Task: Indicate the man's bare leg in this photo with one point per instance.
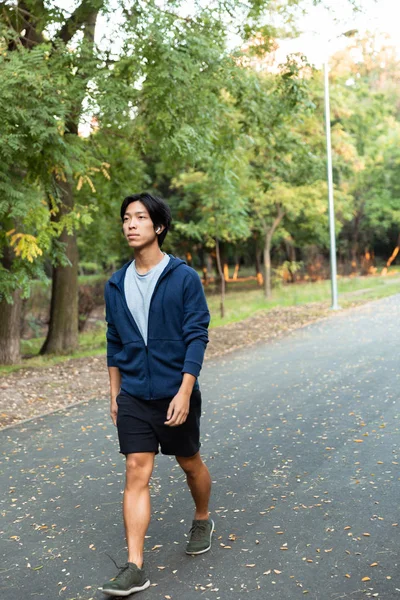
(199, 482)
(137, 505)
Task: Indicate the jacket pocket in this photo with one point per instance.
(131, 361)
(166, 358)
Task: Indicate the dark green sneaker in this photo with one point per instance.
(129, 580)
(200, 536)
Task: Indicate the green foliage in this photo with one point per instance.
(231, 147)
(38, 91)
(366, 132)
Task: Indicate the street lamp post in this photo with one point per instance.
(332, 236)
(335, 305)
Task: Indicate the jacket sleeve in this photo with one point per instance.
(114, 344)
(195, 323)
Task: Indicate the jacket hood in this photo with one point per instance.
(118, 277)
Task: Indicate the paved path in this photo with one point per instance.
(302, 440)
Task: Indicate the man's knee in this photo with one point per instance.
(191, 465)
(139, 467)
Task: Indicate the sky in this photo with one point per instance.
(322, 29)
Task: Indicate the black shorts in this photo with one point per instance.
(141, 426)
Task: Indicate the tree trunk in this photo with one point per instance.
(291, 256)
(62, 337)
(258, 259)
(267, 266)
(222, 278)
(226, 271)
(259, 275)
(10, 324)
(356, 238)
(203, 256)
(269, 234)
(236, 271)
(354, 257)
(392, 257)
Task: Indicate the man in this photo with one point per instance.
(157, 319)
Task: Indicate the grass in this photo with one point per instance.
(239, 304)
(91, 343)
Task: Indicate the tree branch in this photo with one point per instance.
(275, 224)
(82, 15)
(25, 19)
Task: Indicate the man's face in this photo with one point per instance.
(138, 227)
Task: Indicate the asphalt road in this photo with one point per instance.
(302, 440)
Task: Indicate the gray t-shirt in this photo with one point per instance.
(139, 290)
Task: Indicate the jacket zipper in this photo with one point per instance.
(126, 307)
(148, 371)
(148, 326)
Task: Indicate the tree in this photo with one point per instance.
(365, 136)
(99, 81)
(272, 106)
(215, 198)
(40, 118)
(162, 88)
(31, 151)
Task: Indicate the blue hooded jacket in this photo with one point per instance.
(177, 333)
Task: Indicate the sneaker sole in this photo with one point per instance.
(207, 549)
(123, 593)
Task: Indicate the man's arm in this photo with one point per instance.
(115, 385)
(114, 345)
(195, 335)
(195, 324)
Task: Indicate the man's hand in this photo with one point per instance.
(178, 409)
(115, 386)
(114, 410)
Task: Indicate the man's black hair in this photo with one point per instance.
(158, 209)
